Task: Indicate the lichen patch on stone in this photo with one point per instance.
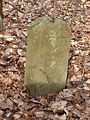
(53, 64)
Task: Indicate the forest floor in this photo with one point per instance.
(73, 103)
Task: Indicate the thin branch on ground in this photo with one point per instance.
(15, 7)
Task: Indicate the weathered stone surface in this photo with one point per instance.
(47, 56)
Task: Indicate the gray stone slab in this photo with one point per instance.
(47, 56)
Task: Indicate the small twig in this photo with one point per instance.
(42, 2)
(17, 12)
(53, 19)
(83, 66)
(10, 27)
(15, 7)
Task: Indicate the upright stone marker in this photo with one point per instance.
(47, 56)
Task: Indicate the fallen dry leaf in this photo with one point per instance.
(7, 81)
(7, 104)
(40, 114)
(15, 103)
